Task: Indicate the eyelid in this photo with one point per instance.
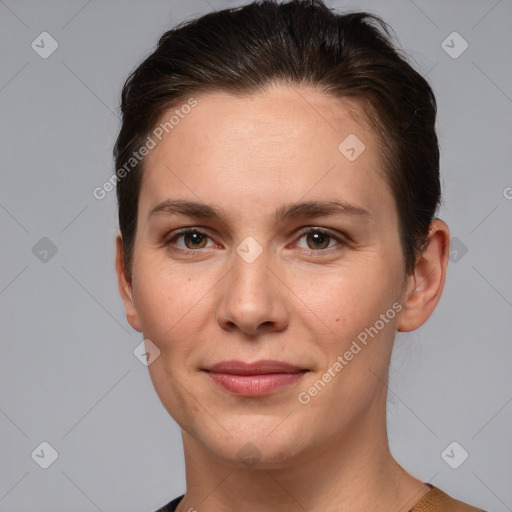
(318, 229)
(166, 241)
(342, 239)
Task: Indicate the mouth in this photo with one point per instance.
(260, 378)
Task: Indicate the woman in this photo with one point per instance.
(277, 181)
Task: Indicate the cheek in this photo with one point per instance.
(169, 301)
(353, 330)
(172, 316)
(346, 300)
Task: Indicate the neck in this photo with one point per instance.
(353, 472)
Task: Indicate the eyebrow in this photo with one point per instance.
(304, 209)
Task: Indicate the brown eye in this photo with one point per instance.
(318, 240)
(194, 240)
(188, 241)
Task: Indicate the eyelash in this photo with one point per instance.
(169, 243)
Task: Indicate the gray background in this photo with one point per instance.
(68, 374)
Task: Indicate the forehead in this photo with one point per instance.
(275, 145)
(280, 122)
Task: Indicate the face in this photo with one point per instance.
(260, 238)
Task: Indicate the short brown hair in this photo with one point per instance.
(302, 42)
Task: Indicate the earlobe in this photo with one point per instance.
(125, 287)
(425, 285)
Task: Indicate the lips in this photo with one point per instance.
(260, 378)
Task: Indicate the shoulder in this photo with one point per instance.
(438, 501)
(171, 506)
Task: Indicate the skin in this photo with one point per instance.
(302, 301)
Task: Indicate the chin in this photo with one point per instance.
(256, 443)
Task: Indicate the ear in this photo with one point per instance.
(425, 285)
(125, 287)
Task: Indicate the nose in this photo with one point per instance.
(253, 299)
